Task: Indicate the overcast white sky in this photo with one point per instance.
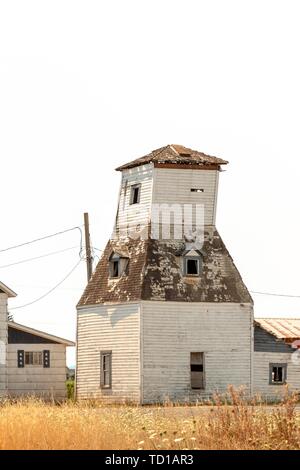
(88, 85)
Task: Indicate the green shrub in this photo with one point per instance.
(70, 389)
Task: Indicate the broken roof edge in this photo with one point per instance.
(174, 154)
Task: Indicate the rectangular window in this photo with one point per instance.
(115, 269)
(192, 267)
(278, 374)
(105, 369)
(33, 358)
(197, 190)
(197, 370)
(135, 194)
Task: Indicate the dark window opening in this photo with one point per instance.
(197, 190)
(118, 266)
(115, 269)
(278, 374)
(192, 267)
(197, 367)
(135, 194)
(197, 370)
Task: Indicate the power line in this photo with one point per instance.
(275, 295)
(44, 238)
(30, 286)
(51, 290)
(95, 248)
(38, 257)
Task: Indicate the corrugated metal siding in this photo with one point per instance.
(109, 328)
(262, 361)
(38, 381)
(171, 331)
(265, 342)
(135, 213)
(173, 186)
(3, 342)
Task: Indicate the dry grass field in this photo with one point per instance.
(32, 424)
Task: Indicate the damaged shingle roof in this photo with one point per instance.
(175, 154)
(154, 273)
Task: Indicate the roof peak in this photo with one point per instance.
(7, 290)
(176, 154)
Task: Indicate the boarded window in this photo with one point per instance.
(278, 374)
(197, 370)
(135, 194)
(105, 369)
(33, 358)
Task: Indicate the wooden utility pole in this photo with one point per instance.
(89, 259)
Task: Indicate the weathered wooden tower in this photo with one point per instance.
(166, 314)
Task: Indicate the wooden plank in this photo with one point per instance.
(172, 330)
(109, 328)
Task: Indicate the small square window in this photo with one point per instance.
(33, 358)
(118, 266)
(278, 374)
(192, 266)
(135, 194)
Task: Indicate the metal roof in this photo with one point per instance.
(282, 328)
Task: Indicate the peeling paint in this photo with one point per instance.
(155, 273)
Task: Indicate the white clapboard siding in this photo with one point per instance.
(172, 330)
(173, 186)
(262, 361)
(109, 328)
(135, 213)
(3, 343)
(37, 380)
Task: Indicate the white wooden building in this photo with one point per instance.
(276, 356)
(163, 318)
(33, 363)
